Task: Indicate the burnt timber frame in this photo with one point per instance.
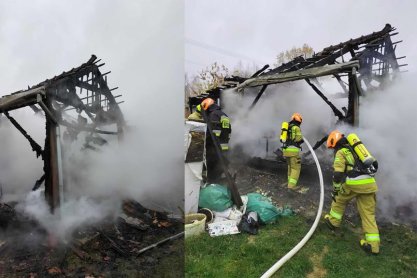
(374, 52)
(377, 61)
(377, 65)
(83, 89)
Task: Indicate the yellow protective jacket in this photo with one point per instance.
(344, 162)
(293, 149)
(195, 116)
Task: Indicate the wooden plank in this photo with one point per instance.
(255, 101)
(51, 172)
(298, 75)
(20, 99)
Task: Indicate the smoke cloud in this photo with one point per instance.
(277, 104)
(386, 126)
(142, 44)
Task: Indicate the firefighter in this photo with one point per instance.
(349, 183)
(220, 125)
(196, 115)
(291, 150)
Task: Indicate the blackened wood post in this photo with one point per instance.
(353, 100)
(51, 164)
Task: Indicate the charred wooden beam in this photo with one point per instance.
(286, 66)
(20, 99)
(236, 198)
(317, 145)
(38, 183)
(35, 109)
(255, 101)
(51, 166)
(86, 86)
(46, 110)
(260, 71)
(298, 75)
(35, 146)
(352, 115)
(342, 84)
(390, 54)
(330, 59)
(361, 40)
(326, 100)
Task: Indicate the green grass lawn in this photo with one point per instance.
(325, 255)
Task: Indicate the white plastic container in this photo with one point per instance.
(194, 224)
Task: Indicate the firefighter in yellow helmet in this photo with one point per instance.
(349, 183)
(196, 115)
(220, 125)
(291, 150)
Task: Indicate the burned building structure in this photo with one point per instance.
(359, 65)
(83, 92)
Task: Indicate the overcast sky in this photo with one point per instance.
(140, 41)
(256, 31)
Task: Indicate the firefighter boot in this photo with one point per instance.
(368, 248)
(328, 223)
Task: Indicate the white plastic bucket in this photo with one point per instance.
(194, 224)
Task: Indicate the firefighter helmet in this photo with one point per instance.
(205, 104)
(297, 117)
(333, 138)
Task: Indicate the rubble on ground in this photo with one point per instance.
(114, 248)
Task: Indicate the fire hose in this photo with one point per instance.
(296, 248)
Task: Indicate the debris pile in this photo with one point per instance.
(138, 243)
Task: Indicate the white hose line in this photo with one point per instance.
(296, 248)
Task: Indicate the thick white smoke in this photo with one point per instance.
(386, 126)
(142, 44)
(276, 105)
(19, 167)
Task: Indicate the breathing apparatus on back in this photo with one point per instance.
(286, 130)
(367, 163)
(284, 133)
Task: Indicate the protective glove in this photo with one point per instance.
(337, 187)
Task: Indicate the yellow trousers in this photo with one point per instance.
(366, 204)
(294, 169)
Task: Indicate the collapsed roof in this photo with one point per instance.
(368, 62)
(82, 90)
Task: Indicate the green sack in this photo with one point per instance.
(286, 211)
(215, 197)
(267, 212)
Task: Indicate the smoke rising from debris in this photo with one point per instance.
(147, 166)
(387, 128)
(276, 105)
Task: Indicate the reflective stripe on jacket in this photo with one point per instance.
(296, 136)
(221, 127)
(344, 161)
